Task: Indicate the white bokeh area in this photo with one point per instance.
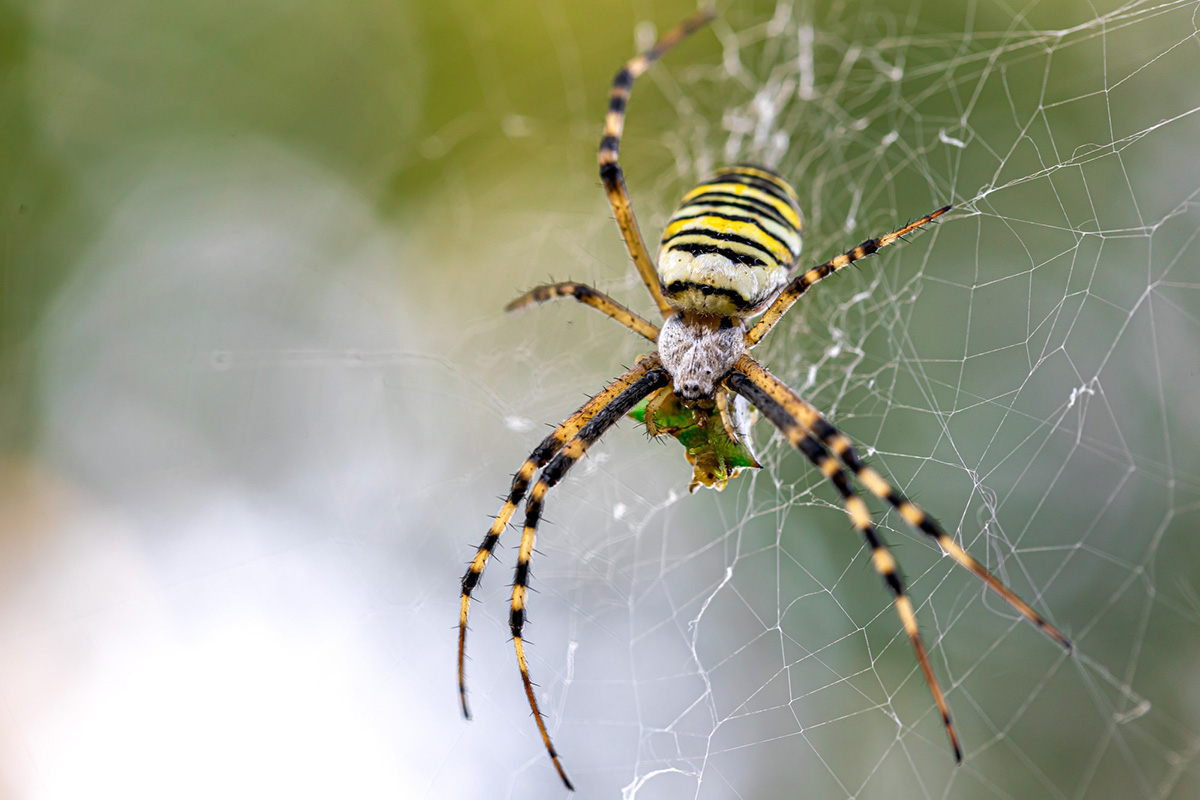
(192, 598)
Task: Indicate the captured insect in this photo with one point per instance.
(728, 254)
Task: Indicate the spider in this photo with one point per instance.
(728, 254)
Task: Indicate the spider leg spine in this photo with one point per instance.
(590, 297)
(751, 387)
(800, 284)
(552, 473)
(520, 485)
(879, 486)
(611, 174)
(840, 444)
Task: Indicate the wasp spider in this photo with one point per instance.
(727, 255)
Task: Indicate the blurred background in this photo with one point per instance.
(258, 399)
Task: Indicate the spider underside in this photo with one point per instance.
(728, 254)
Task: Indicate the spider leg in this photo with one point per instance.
(610, 171)
(875, 483)
(799, 285)
(520, 484)
(652, 408)
(589, 297)
(571, 452)
(881, 558)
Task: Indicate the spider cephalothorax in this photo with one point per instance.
(727, 254)
(698, 350)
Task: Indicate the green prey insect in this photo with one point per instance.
(716, 441)
(728, 254)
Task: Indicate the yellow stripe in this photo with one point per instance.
(839, 444)
(742, 190)
(912, 515)
(480, 560)
(720, 225)
(875, 483)
(859, 514)
(907, 616)
(769, 262)
(526, 550)
(784, 233)
(957, 553)
(766, 176)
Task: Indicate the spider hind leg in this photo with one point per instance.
(860, 516)
(811, 433)
(914, 516)
(876, 484)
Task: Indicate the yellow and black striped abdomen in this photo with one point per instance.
(727, 250)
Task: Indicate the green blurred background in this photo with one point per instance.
(258, 398)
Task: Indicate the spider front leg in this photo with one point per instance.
(570, 453)
(589, 297)
(520, 484)
(799, 285)
(881, 558)
(610, 170)
(830, 437)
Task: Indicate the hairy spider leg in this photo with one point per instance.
(840, 444)
(610, 170)
(799, 285)
(589, 297)
(860, 516)
(520, 484)
(570, 453)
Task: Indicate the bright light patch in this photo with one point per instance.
(243, 712)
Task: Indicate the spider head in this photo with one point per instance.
(698, 350)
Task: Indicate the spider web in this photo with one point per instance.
(260, 422)
(1025, 372)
